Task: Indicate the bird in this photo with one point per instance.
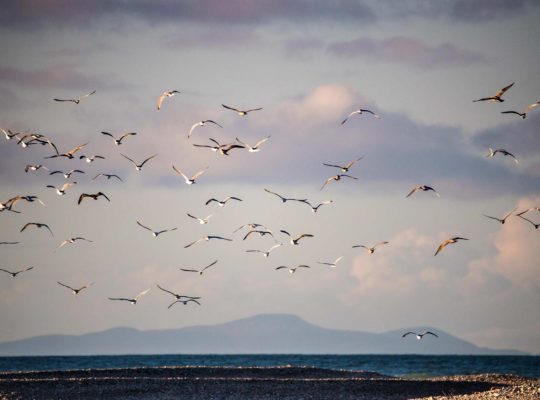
(37, 225)
(292, 270)
(251, 226)
(346, 167)
(177, 296)
(35, 138)
(201, 123)
(138, 167)
(34, 167)
(284, 199)
(359, 111)
(497, 97)
(221, 203)
(9, 134)
(336, 178)
(92, 196)
(90, 159)
(370, 250)
(156, 233)
(62, 190)
(28, 198)
(185, 302)
(108, 176)
(68, 174)
(118, 141)
(503, 219)
(331, 264)
(523, 114)
(419, 335)
(294, 241)
(14, 274)
(163, 96)
(133, 300)
(192, 180)
(314, 209)
(253, 149)
(423, 188)
(266, 254)
(503, 152)
(242, 113)
(68, 154)
(222, 149)
(528, 220)
(206, 239)
(78, 100)
(202, 221)
(74, 290)
(73, 240)
(200, 272)
(449, 241)
(259, 232)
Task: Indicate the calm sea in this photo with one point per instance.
(395, 365)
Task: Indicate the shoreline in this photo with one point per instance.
(196, 383)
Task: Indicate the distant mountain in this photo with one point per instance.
(266, 333)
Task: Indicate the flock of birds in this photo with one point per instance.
(25, 140)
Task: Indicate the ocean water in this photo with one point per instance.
(394, 365)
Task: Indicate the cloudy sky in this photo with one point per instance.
(418, 64)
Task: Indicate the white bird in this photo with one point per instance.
(78, 100)
(419, 335)
(206, 239)
(336, 178)
(331, 264)
(523, 114)
(202, 221)
(62, 190)
(503, 152)
(68, 174)
(184, 302)
(73, 240)
(266, 254)
(202, 123)
(165, 95)
(200, 272)
(242, 113)
(91, 159)
(138, 167)
(118, 141)
(292, 270)
(9, 134)
(294, 241)
(76, 290)
(359, 111)
(497, 97)
(133, 300)
(34, 167)
(423, 188)
(503, 219)
(37, 225)
(447, 242)
(156, 233)
(222, 202)
(370, 250)
(192, 180)
(253, 149)
(15, 273)
(346, 167)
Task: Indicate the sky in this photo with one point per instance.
(417, 64)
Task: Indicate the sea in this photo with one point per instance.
(410, 366)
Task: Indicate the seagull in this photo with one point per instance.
(9, 135)
(138, 167)
(294, 241)
(314, 209)
(192, 180)
(67, 175)
(178, 296)
(284, 199)
(424, 188)
(78, 100)
(419, 335)
(206, 239)
(503, 152)
(202, 123)
(370, 250)
(242, 113)
(93, 196)
(118, 142)
(253, 149)
(528, 220)
(37, 225)
(336, 178)
(447, 242)
(222, 202)
(28, 198)
(346, 167)
(90, 159)
(497, 97)
(252, 226)
(266, 254)
(259, 232)
(200, 272)
(185, 302)
(35, 138)
(76, 291)
(331, 264)
(223, 149)
(14, 274)
(292, 270)
(62, 190)
(523, 114)
(133, 300)
(163, 96)
(503, 219)
(73, 240)
(108, 176)
(359, 111)
(202, 221)
(156, 233)
(68, 154)
(34, 167)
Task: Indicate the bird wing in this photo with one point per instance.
(531, 106)
(67, 185)
(145, 227)
(414, 190)
(232, 198)
(193, 128)
(76, 149)
(244, 143)
(104, 195)
(142, 294)
(303, 266)
(281, 267)
(269, 191)
(262, 141)
(46, 226)
(350, 164)
(119, 298)
(148, 159)
(180, 173)
(192, 243)
(126, 157)
(254, 251)
(209, 265)
(350, 176)
(126, 135)
(165, 290)
(338, 259)
(442, 246)
(213, 122)
(160, 100)
(369, 112)
(510, 213)
(429, 333)
(253, 109)
(86, 95)
(327, 181)
(194, 217)
(513, 112)
(378, 244)
(230, 108)
(217, 201)
(249, 233)
(285, 232)
(504, 89)
(69, 287)
(219, 237)
(199, 174)
(189, 270)
(495, 218)
(174, 302)
(108, 134)
(26, 226)
(332, 165)
(81, 197)
(408, 333)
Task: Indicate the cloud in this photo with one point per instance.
(215, 38)
(405, 50)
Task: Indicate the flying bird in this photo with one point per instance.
(331, 264)
(200, 272)
(192, 180)
(165, 95)
(222, 149)
(9, 134)
(346, 167)
(34, 167)
(73, 240)
(78, 100)
(284, 199)
(68, 174)
(222, 202)
(359, 111)
(138, 167)
(251, 226)
(423, 188)
(447, 242)
(292, 270)
(266, 254)
(258, 232)
(336, 178)
(118, 141)
(253, 149)
(314, 209)
(503, 219)
(504, 152)
(28, 198)
(370, 250)
(294, 241)
(37, 225)
(14, 274)
(92, 196)
(68, 154)
(242, 113)
(202, 221)
(75, 290)
(177, 296)
(156, 233)
(108, 176)
(90, 159)
(201, 123)
(419, 335)
(523, 114)
(184, 302)
(206, 239)
(133, 300)
(497, 97)
(62, 190)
